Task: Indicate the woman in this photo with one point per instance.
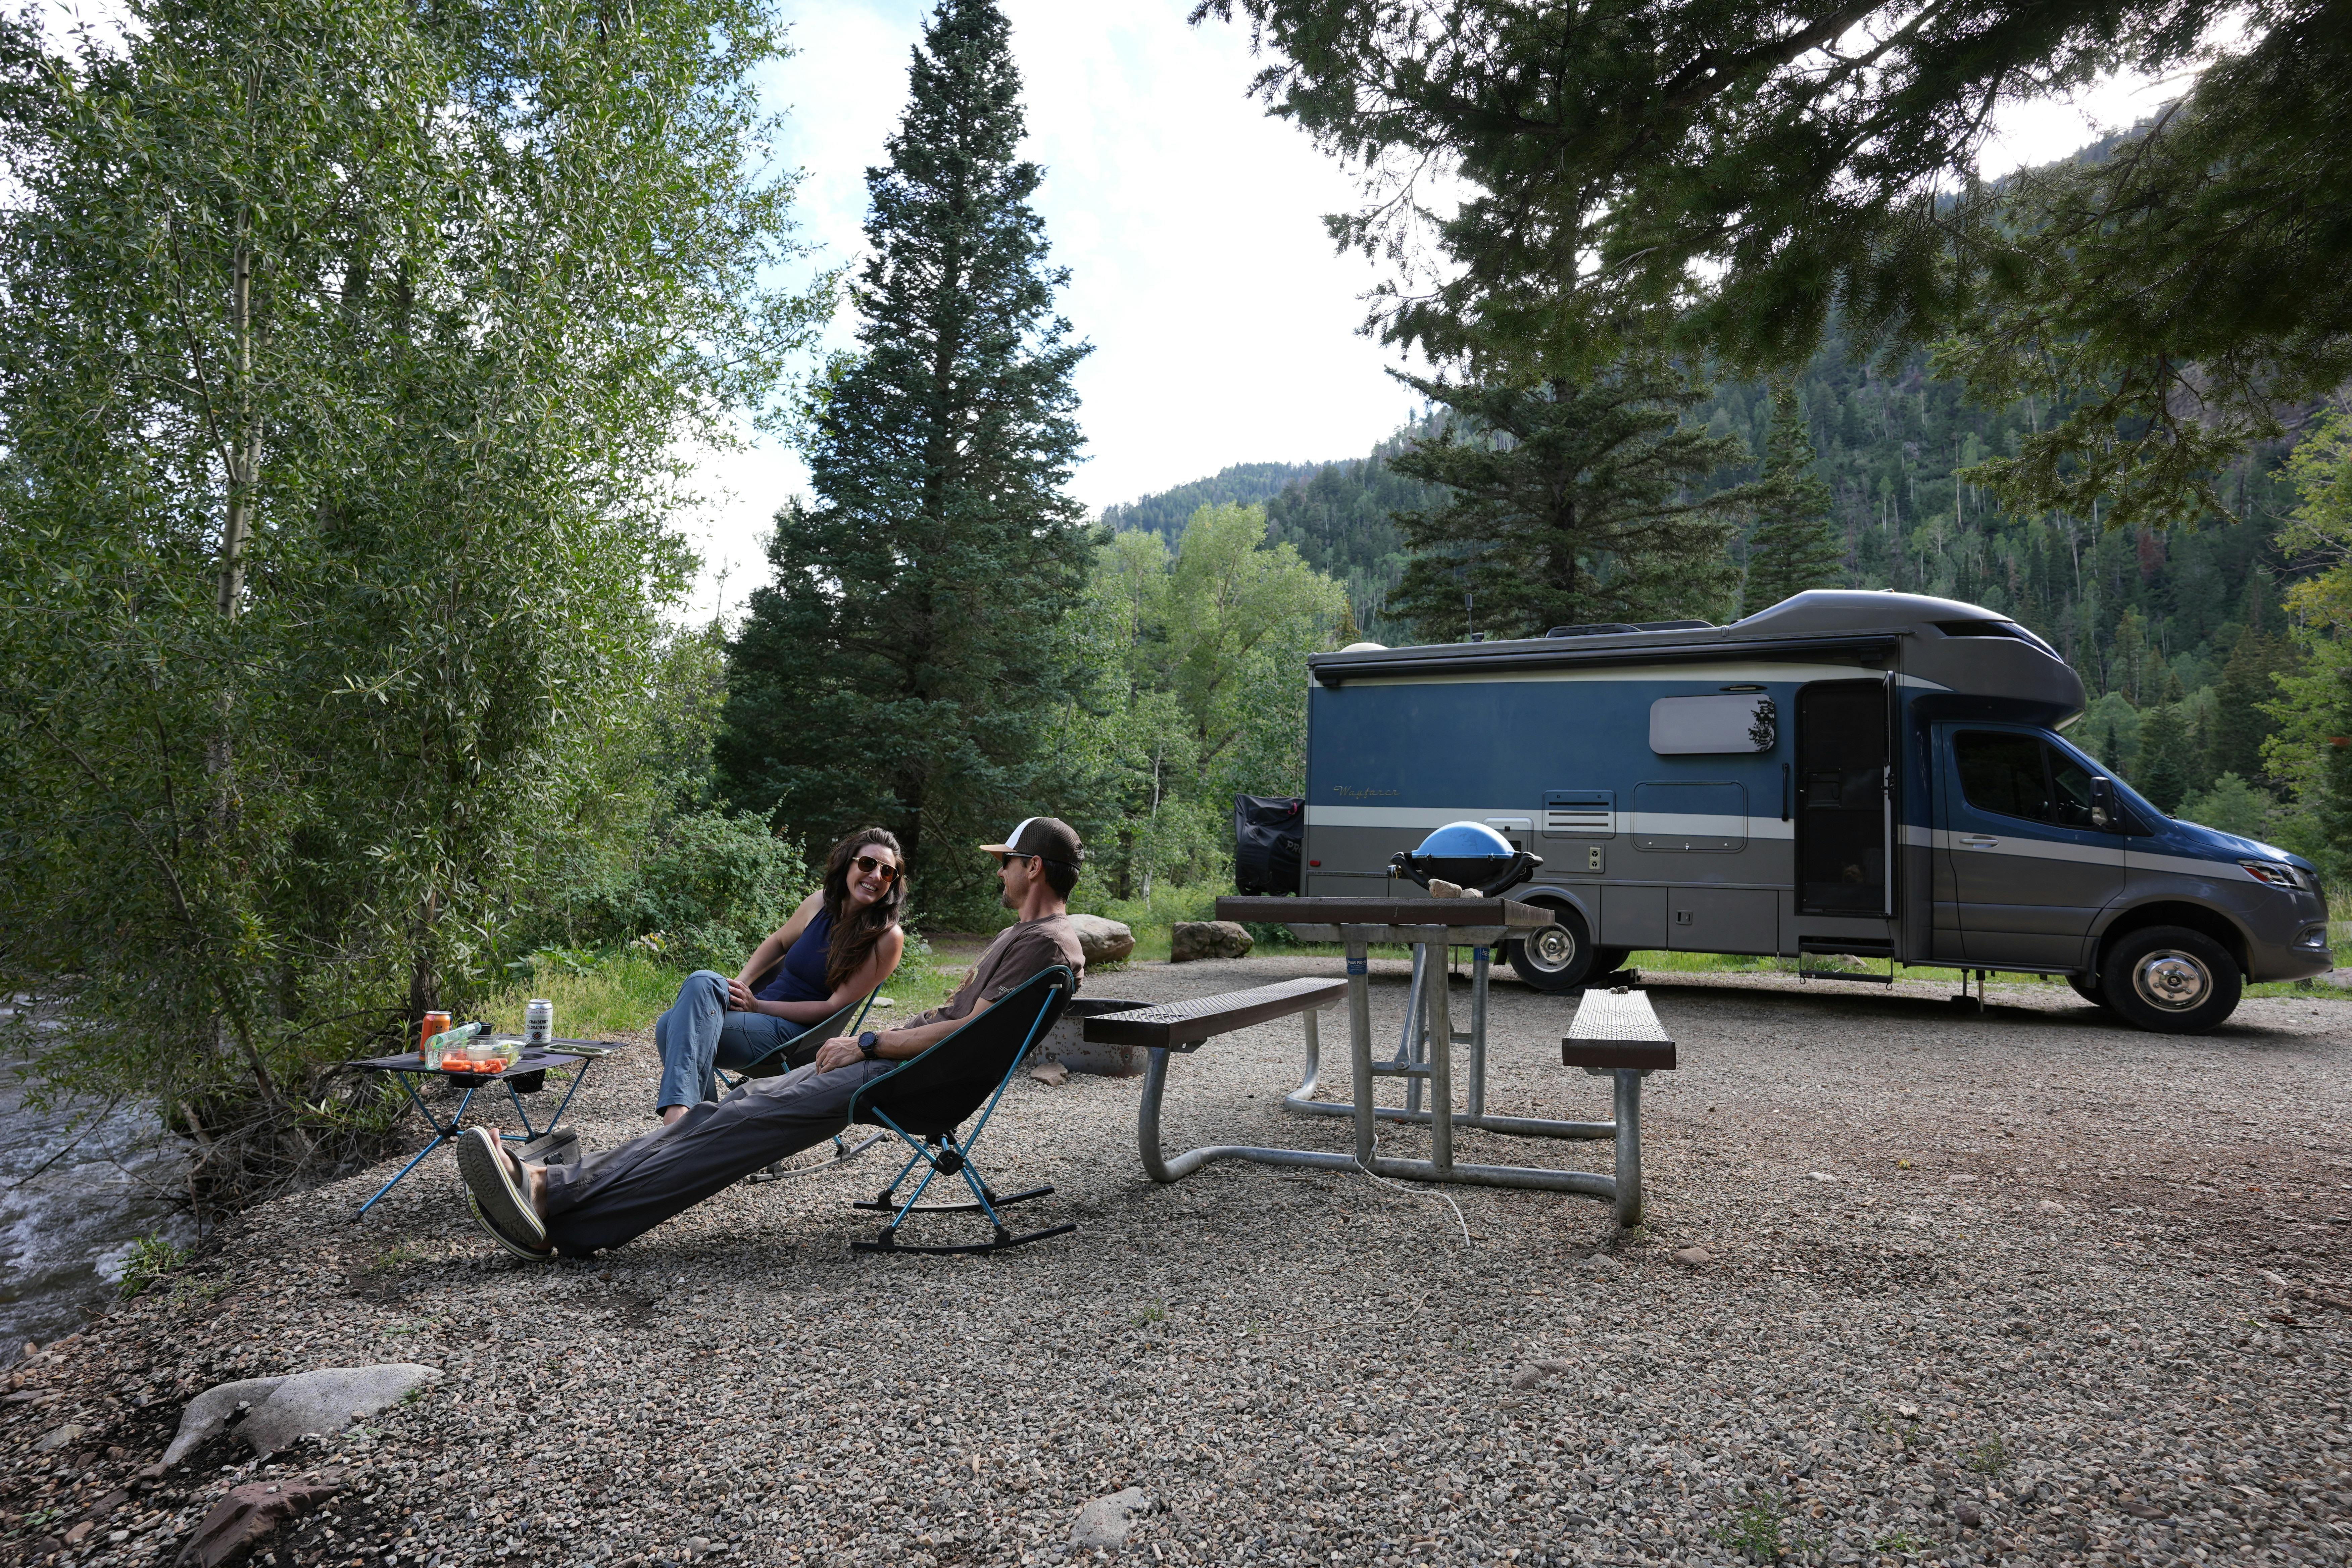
(842, 943)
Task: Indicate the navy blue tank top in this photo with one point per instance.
(801, 976)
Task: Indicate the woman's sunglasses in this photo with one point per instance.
(869, 867)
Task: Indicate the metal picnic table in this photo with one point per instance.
(533, 1064)
(1426, 1053)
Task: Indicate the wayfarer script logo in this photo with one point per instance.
(1353, 794)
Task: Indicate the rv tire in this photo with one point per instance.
(2171, 980)
(2086, 986)
(1560, 959)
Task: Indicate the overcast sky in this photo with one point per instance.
(1223, 326)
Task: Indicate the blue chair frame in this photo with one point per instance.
(937, 1090)
(776, 1063)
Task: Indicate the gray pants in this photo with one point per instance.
(606, 1199)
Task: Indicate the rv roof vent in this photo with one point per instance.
(1673, 626)
(1597, 630)
(1365, 647)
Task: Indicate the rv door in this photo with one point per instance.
(1845, 817)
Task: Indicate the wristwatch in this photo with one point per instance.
(870, 1045)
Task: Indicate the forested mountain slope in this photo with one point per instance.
(2134, 611)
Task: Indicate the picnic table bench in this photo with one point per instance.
(1617, 1034)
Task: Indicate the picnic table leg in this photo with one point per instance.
(1440, 1058)
(1311, 1077)
(1413, 1050)
(1629, 1147)
(1360, 1046)
(1480, 961)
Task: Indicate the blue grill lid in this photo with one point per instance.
(1466, 841)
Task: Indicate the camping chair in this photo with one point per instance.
(926, 1101)
(798, 1052)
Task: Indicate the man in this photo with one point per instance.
(536, 1210)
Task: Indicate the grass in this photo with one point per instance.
(1757, 1530)
(150, 1259)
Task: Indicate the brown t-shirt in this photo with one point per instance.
(1019, 954)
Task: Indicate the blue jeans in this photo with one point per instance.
(699, 1035)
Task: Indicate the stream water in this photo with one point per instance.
(69, 1216)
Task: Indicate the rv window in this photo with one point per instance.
(2018, 775)
(1687, 726)
(2003, 773)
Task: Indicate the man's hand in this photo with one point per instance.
(838, 1052)
(739, 998)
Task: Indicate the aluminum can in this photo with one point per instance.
(537, 1024)
(435, 1024)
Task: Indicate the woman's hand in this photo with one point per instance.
(739, 998)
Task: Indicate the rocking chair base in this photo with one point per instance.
(887, 1203)
(887, 1241)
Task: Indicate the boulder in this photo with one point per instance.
(1193, 940)
(248, 1515)
(1103, 941)
(285, 1408)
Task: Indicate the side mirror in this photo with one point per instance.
(2103, 803)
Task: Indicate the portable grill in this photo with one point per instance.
(1469, 854)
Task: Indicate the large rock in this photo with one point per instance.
(249, 1515)
(286, 1408)
(1191, 940)
(1065, 1044)
(1106, 1521)
(1103, 941)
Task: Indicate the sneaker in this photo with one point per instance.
(520, 1248)
(498, 1197)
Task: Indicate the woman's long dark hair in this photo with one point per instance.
(856, 930)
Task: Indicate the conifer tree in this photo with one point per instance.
(1795, 546)
(2242, 720)
(1566, 502)
(2164, 771)
(907, 660)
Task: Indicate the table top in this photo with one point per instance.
(1180, 1025)
(530, 1061)
(1324, 911)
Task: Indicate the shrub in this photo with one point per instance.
(710, 886)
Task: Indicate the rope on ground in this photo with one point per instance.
(1446, 1198)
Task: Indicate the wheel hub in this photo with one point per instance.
(2171, 978)
(1551, 948)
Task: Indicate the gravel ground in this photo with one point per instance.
(2026, 1286)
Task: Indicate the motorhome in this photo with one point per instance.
(1879, 775)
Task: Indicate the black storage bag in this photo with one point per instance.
(1268, 834)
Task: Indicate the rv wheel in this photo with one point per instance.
(1560, 957)
(2170, 979)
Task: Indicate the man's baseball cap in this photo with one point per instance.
(1049, 838)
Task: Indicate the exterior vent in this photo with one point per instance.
(1576, 819)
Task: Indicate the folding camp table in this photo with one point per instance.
(1430, 927)
(408, 1068)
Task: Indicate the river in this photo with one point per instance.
(65, 1230)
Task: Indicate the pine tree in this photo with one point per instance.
(1795, 546)
(907, 660)
(1566, 502)
(2240, 723)
(2163, 774)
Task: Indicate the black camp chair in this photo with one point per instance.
(926, 1101)
(798, 1052)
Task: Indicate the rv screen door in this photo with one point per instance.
(1844, 818)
